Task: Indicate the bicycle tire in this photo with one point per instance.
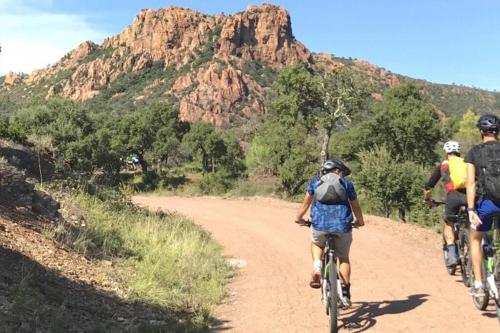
(450, 270)
(464, 254)
(333, 297)
(325, 285)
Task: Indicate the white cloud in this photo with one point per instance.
(32, 37)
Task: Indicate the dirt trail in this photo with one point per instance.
(399, 282)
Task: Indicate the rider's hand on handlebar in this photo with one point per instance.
(303, 223)
(474, 220)
(357, 224)
(428, 202)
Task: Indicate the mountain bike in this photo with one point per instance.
(462, 243)
(490, 268)
(331, 284)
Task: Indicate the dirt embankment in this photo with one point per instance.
(399, 283)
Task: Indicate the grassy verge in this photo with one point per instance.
(165, 259)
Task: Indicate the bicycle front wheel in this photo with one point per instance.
(333, 297)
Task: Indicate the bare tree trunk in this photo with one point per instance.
(324, 147)
(143, 163)
(402, 215)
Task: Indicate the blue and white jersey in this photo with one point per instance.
(333, 217)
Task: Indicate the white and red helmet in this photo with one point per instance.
(452, 147)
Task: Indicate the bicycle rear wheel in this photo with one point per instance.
(333, 297)
(464, 253)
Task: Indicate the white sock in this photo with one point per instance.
(478, 284)
(317, 265)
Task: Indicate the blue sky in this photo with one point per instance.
(445, 41)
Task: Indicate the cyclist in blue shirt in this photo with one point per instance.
(336, 219)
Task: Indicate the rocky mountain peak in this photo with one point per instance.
(262, 33)
(216, 66)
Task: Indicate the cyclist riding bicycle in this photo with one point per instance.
(334, 201)
(483, 192)
(454, 186)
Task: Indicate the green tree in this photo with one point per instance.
(392, 184)
(468, 135)
(167, 138)
(213, 152)
(232, 164)
(284, 143)
(301, 165)
(405, 123)
(343, 95)
(156, 130)
(288, 152)
(195, 143)
(297, 97)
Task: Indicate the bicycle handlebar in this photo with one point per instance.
(434, 203)
(304, 223)
(308, 223)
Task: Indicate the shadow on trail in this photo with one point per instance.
(362, 316)
(220, 326)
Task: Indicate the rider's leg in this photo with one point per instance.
(449, 233)
(318, 240)
(484, 208)
(317, 253)
(449, 237)
(345, 270)
(342, 244)
(476, 252)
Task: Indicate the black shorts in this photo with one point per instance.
(453, 202)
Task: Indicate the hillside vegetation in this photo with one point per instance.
(95, 262)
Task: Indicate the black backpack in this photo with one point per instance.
(490, 170)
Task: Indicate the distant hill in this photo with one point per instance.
(217, 68)
(451, 99)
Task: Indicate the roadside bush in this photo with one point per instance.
(429, 217)
(254, 187)
(147, 182)
(393, 184)
(215, 183)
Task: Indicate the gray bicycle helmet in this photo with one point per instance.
(488, 123)
(333, 164)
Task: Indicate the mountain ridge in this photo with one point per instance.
(216, 68)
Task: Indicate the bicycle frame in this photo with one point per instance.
(329, 258)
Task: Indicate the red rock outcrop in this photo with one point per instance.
(262, 33)
(376, 73)
(172, 34)
(218, 90)
(12, 78)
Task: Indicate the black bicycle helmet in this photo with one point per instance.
(333, 164)
(488, 123)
